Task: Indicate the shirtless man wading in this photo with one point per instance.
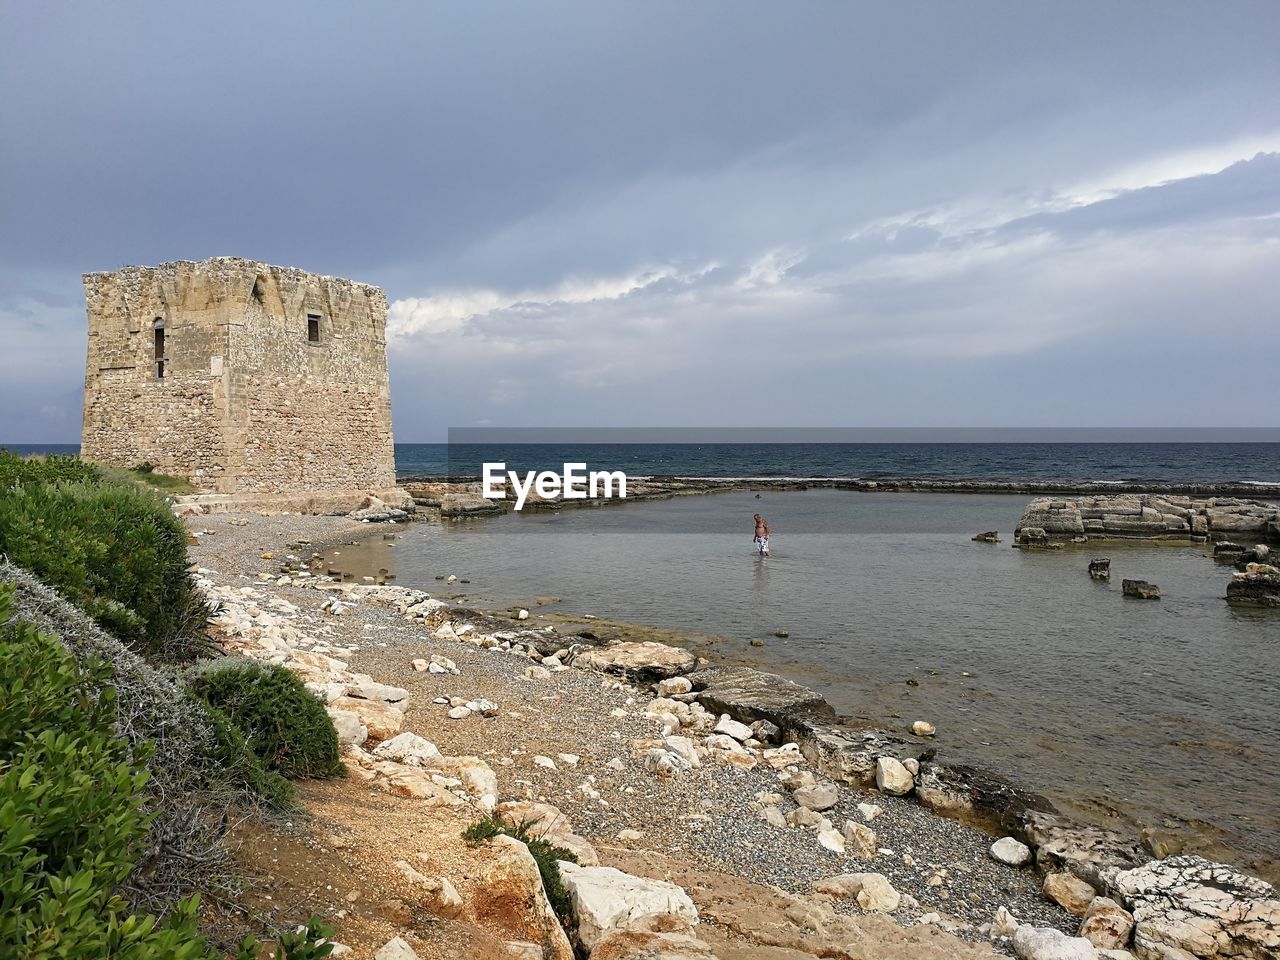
(762, 535)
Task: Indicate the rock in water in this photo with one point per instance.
(1042, 943)
(1100, 568)
(991, 536)
(1191, 907)
(1140, 589)
(923, 728)
(1259, 587)
(1011, 851)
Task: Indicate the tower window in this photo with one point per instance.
(313, 327)
(160, 360)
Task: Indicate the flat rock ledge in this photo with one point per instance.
(1144, 517)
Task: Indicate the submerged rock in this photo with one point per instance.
(991, 536)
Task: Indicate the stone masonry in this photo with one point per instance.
(245, 378)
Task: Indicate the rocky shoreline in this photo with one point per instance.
(461, 495)
(749, 774)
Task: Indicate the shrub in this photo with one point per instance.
(545, 854)
(109, 546)
(285, 725)
(243, 767)
(71, 814)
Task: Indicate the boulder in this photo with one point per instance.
(893, 777)
(408, 748)
(1011, 851)
(1069, 892)
(605, 900)
(923, 728)
(819, 796)
(645, 661)
(1042, 943)
(730, 727)
(1189, 907)
(860, 840)
(1140, 589)
(382, 720)
(749, 695)
(1257, 588)
(511, 894)
(1107, 925)
(395, 949)
(351, 732)
(674, 685)
(545, 821)
(1100, 568)
(1088, 852)
(872, 891)
(991, 536)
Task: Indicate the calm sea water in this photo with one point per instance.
(1190, 462)
(1159, 713)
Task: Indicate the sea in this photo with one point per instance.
(1160, 716)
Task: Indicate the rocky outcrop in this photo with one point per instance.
(1143, 517)
(644, 662)
(511, 894)
(750, 695)
(1086, 852)
(1187, 907)
(1258, 587)
(605, 900)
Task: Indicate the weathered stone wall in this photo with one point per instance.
(248, 402)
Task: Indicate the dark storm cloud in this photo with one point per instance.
(615, 210)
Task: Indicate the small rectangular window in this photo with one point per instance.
(158, 327)
(313, 327)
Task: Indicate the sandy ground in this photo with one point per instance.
(702, 829)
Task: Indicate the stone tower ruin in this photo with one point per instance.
(243, 377)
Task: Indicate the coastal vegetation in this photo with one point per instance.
(118, 778)
(108, 545)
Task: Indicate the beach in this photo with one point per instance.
(728, 830)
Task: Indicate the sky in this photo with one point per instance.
(808, 214)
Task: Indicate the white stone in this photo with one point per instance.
(861, 839)
(408, 748)
(892, 777)
(873, 891)
(459, 713)
(547, 762)
(819, 796)
(832, 839)
(727, 725)
(870, 811)
(605, 899)
(1043, 943)
(922, 728)
(1011, 851)
(1004, 925)
(522, 614)
(674, 685)
(395, 949)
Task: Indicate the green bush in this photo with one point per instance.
(109, 546)
(284, 724)
(244, 768)
(545, 854)
(72, 822)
